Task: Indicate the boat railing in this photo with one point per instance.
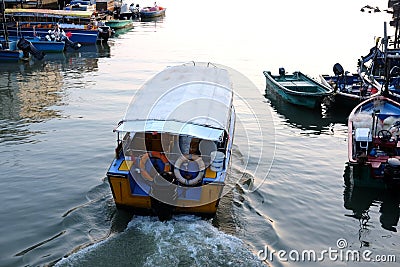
(137, 154)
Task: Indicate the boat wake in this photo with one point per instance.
(184, 240)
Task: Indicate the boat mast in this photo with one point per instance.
(3, 14)
(387, 61)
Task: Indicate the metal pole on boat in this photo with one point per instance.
(387, 61)
(3, 13)
(396, 34)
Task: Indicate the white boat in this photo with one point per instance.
(174, 143)
(81, 5)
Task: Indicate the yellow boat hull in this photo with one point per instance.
(207, 204)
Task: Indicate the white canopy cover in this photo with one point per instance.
(192, 99)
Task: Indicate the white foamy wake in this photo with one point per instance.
(183, 241)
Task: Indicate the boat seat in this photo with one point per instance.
(303, 86)
(363, 137)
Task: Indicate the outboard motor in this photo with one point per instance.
(104, 33)
(28, 48)
(282, 71)
(392, 172)
(71, 44)
(338, 69)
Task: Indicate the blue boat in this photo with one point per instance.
(297, 88)
(48, 46)
(78, 25)
(43, 44)
(22, 49)
(152, 12)
(77, 35)
(9, 51)
(349, 89)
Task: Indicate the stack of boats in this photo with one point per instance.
(373, 95)
(79, 23)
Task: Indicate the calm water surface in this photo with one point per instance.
(288, 179)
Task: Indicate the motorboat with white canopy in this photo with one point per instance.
(174, 143)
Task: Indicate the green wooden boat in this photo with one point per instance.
(297, 88)
(117, 24)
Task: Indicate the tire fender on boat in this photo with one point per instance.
(184, 159)
(146, 157)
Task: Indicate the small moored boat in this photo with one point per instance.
(349, 89)
(174, 143)
(9, 51)
(297, 88)
(152, 12)
(42, 44)
(117, 24)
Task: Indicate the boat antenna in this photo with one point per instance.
(387, 61)
(3, 13)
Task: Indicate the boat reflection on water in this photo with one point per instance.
(361, 200)
(31, 91)
(311, 121)
(91, 51)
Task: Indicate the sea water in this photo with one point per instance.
(288, 185)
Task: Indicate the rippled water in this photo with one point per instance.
(289, 175)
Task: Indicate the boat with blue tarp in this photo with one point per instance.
(174, 143)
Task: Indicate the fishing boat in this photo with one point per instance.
(42, 44)
(374, 137)
(174, 143)
(79, 26)
(349, 89)
(81, 5)
(373, 68)
(15, 49)
(117, 24)
(47, 46)
(9, 51)
(374, 143)
(152, 12)
(297, 88)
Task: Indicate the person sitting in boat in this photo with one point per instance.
(134, 10)
(154, 8)
(57, 34)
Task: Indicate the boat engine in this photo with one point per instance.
(71, 44)
(282, 71)
(392, 172)
(338, 69)
(163, 195)
(104, 34)
(28, 48)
